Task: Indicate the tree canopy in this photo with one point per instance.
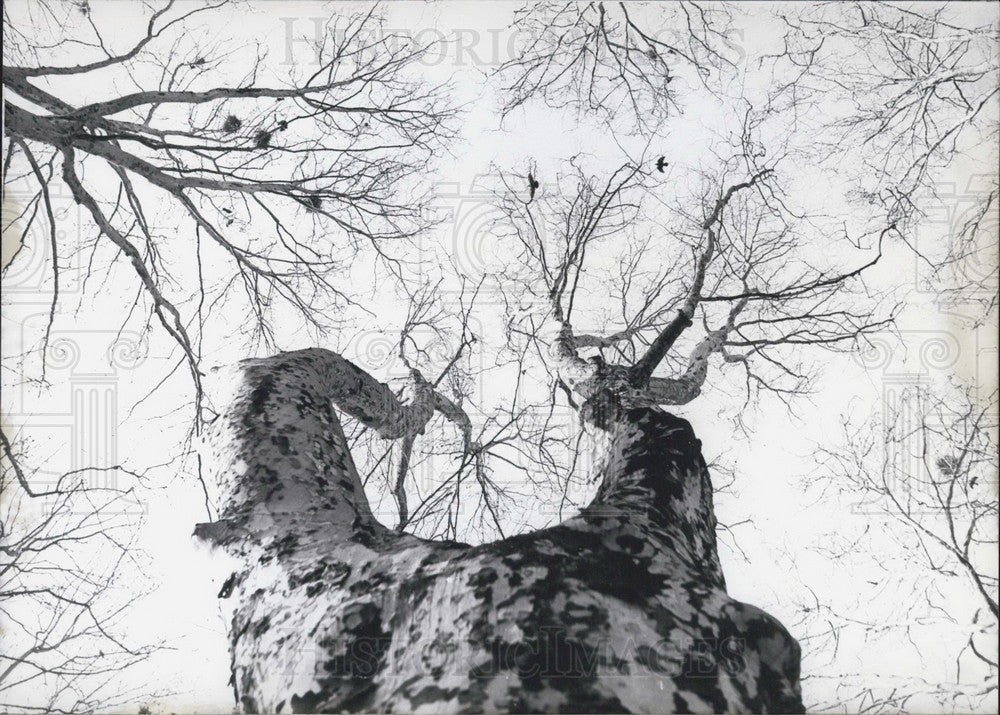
(709, 203)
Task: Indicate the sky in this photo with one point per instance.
(772, 562)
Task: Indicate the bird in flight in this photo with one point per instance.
(532, 186)
(661, 163)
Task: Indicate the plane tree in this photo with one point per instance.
(728, 283)
(279, 177)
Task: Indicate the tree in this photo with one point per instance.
(926, 474)
(622, 607)
(279, 177)
(595, 56)
(336, 147)
(622, 295)
(70, 570)
(737, 245)
(919, 93)
(303, 529)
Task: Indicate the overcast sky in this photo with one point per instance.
(779, 559)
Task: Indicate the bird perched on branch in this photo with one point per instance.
(661, 163)
(532, 186)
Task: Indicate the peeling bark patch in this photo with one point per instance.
(481, 583)
(259, 395)
(227, 588)
(364, 644)
(360, 647)
(309, 577)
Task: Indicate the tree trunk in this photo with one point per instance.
(621, 608)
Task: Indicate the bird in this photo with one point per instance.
(661, 163)
(532, 186)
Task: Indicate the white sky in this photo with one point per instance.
(772, 467)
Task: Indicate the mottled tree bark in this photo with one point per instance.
(621, 608)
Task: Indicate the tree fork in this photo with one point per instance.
(621, 608)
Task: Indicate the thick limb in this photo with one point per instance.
(281, 450)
